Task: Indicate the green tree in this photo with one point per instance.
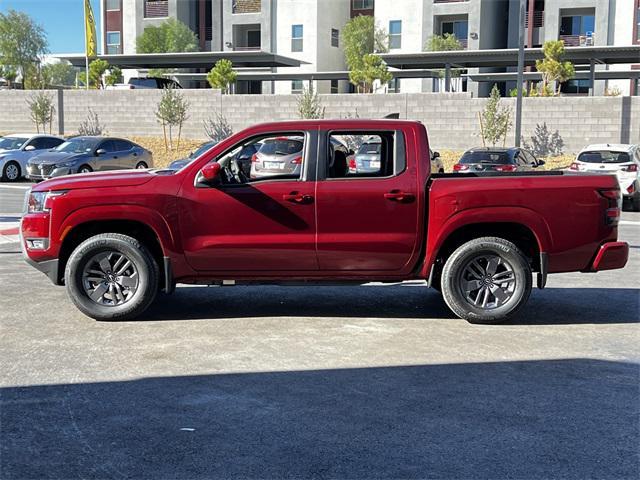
(361, 37)
(309, 105)
(222, 75)
(445, 43)
(97, 69)
(495, 120)
(172, 112)
(58, 74)
(552, 68)
(114, 76)
(42, 110)
(372, 69)
(170, 36)
(22, 41)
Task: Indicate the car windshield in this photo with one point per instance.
(77, 145)
(281, 147)
(369, 149)
(485, 157)
(11, 143)
(604, 156)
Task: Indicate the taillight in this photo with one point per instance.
(254, 158)
(352, 164)
(574, 166)
(458, 167)
(631, 168)
(505, 168)
(631, 188)
(614, 207)
(296, 161)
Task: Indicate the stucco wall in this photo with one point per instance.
(450, 118)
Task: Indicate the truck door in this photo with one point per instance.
(261, 222)
(367, 203)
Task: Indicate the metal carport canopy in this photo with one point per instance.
(508, 57)
(246, 59)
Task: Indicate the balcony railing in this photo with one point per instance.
(577, 40)
(156, 8)
(245, 49)
(246, 6)
(538, 19)
(449, 1)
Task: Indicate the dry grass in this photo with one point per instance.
(451, 157)
(162, 157)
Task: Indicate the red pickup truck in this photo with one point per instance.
(117, 238)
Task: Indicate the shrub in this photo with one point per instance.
(42, 110)
(495, 120)
(217, 128)
(309, 105)
(91, 125)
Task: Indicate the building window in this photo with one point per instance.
(297, 86)
(335, 86)
(113, 43)
(113, 5)
(460, 29)
(394, 85)
(296, 38)
(638, 24)
(395, 34)
(362, 4)
(335, 37)
(156, 8)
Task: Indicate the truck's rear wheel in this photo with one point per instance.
(111, 277)
(486, 280)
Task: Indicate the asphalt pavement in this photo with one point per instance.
(322, 382)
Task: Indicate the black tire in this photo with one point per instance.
(85, 169)
(513, 264)
(146, 268)
(11, 172)
(141, 165)
(635, 203)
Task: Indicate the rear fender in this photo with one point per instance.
(514, 215)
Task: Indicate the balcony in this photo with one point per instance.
(577, 40)
(246, 6)
(156, 8)
(538, 19)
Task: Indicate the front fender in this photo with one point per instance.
(440, 230)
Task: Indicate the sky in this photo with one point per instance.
(61, 19)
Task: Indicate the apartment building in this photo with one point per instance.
(310, 30)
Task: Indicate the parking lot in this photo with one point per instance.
(332, 382)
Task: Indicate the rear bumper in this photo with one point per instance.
(611, 256)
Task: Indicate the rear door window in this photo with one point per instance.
(363, 154)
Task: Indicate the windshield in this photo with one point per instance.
(485, 157)
(604, 156)
(281, 147)
(11, 143)
(369, 149)
(77, 145)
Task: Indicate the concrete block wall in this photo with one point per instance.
(451, 119)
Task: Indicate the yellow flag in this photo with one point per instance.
(91, 42)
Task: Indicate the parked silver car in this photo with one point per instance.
(88, 154)
(278, 156)
(17, 149)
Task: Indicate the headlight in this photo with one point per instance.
(40, 201)
(65, 164)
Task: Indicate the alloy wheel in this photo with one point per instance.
(487, 281)
(110, 278)
(11, 171)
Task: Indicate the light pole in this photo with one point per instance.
(520, 71)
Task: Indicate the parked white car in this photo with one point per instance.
(17, 149)
(623, 160)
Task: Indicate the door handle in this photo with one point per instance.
(297, 197)
(399, 196)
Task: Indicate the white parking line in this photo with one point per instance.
(17, 187)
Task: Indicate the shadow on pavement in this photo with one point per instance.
(550, 306)
(572, 418)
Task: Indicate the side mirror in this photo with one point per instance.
(436, 155)
(101, 151)
(211, 172)
(29, 148)
(541, 162)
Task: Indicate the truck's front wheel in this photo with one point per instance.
(111, 277)
(486, 280)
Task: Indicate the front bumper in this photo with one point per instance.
(611, 256)
(48, 267)
(36, 173)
